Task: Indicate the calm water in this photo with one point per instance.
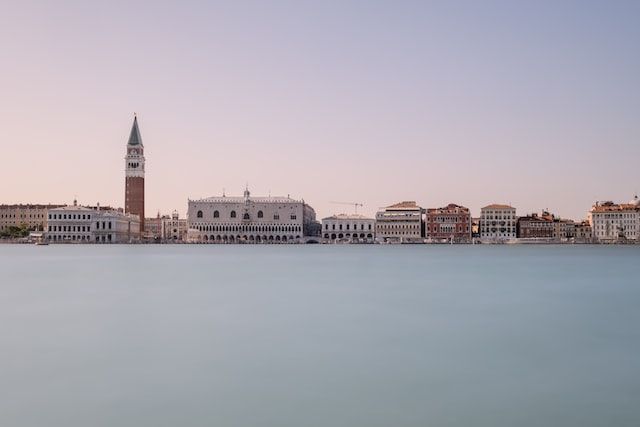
(319, 336)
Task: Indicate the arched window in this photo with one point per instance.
(233, 214)
(246, 215)
(216, 214)
(199, 215)
(260, 214)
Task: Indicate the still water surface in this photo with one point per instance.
(349, 336)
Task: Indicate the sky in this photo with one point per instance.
(535, 104)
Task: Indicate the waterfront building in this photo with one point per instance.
(153, 227)
(174, 228)
(248, 219)
(400, 223)
(583, 232)
(113, 226)
(82, 224)
(70, 224)
(612, 222)
(30, 216)
(134, 175)
(348, 228)
(452, 222)
(545, 226)
(498, 222)
(564, 229)
(536, 226)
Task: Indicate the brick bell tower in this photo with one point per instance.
(134, 175)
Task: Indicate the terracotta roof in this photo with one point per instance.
(404, 205)
(450, 208)
(498, 206)
(614, 207)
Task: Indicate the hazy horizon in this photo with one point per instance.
(472, 103)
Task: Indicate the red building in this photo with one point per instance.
(134, 175)
(451, 222)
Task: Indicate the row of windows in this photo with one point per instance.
(250, 238)
(106, 225)
(447, 229)
(347, 235)
(243, 228)
(398, 233)
(355, 226)
(448, 219)
(608, 226)
(24, 216)
(496, 230)
(498, 217)
(81, 238)
(614, 215)
(69, 216)
(246, 216)
(69, 228)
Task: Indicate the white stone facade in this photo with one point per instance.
(611, 222)
(174, 228)
(400, 223)
(498, 223)
(81, 224)
(249, 219)
(348, 228)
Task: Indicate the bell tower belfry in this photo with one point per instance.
(134, 175)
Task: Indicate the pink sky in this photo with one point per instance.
(335, 101)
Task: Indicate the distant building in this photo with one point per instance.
(30, 216)
(71, 224)
(498, 222)
(583, 232)
(174, 228)
(611, 222)
(401, 223)
(545, 226)
(153, 227)
(452, 222)
(353, 228)
(81, 224)
(134, 175)
(536, 226)
(250, 219)
(564, 229)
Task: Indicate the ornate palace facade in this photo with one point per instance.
(250, 219)
(452, 222)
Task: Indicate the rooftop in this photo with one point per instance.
(451, 207)
(347, 217)
(614, 207)
(134, 136)
(228, 199)
(30, 206)
(498, 206)
(407, 204)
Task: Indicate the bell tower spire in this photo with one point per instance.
(134, 174)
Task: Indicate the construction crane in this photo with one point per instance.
(354, 204)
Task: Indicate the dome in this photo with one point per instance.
(635, 201)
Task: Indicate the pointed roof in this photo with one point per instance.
(134, 137)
